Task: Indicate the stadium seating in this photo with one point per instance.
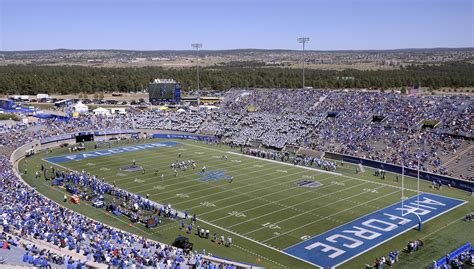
(378, 126)
(454, 257)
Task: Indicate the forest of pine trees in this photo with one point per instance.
(32, 79)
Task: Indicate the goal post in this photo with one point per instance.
(403, 198)
(361, 168)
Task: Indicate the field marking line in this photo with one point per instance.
(203, 183)
(259, 255)
(255, 241)
(441, 228)
(388, 239)
(331, 215)
(191, 179)
(268, 203)
(152, 177)
(230, 197)
(58, 165)
(284, 163)
(302, 210)
(310, 168)
(118, 160)
(319, 207)
(234, 190)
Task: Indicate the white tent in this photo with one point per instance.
(42, 96)
(180, 110)
(81, 108)
(101, 111)
(208, 107)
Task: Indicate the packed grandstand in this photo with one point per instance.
(388, 127)
(432, 132)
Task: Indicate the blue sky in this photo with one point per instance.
(228, 24)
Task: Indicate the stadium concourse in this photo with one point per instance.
(433, 132)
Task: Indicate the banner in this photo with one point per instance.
(185, 136)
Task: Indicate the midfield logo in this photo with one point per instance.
(214, 176)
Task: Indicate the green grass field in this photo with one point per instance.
(263, 209)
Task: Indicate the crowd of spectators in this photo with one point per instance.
(30, 214)
(424, 131)
(381, 126)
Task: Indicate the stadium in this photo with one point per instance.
(269, 178)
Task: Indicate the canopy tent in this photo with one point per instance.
(101, 111)
(81, 108)
(208, 107)
(164, 108)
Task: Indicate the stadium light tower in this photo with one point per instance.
(197, 46)
(303, 40)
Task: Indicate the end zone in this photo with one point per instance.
(352, 239)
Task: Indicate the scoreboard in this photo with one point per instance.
(164, 90)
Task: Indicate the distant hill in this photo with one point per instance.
(229, 51)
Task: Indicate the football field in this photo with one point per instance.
(276, 205)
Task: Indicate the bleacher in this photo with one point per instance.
(462, 165)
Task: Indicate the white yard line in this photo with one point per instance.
(313, 222)
(243, 202)
(255, 241)
(268, 203)
(283, 163)
(239, 193)
(304, 211)
(192, 179)
(237, 178)
(319, 207)
(58, 165)
(259, 255)
(388, 239)
(118, 158)
(188, 176)
(323, 171)
(234, 190)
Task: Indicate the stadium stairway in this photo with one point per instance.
(463, 164)
(459, 154)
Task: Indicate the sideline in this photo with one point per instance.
(284, 163)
